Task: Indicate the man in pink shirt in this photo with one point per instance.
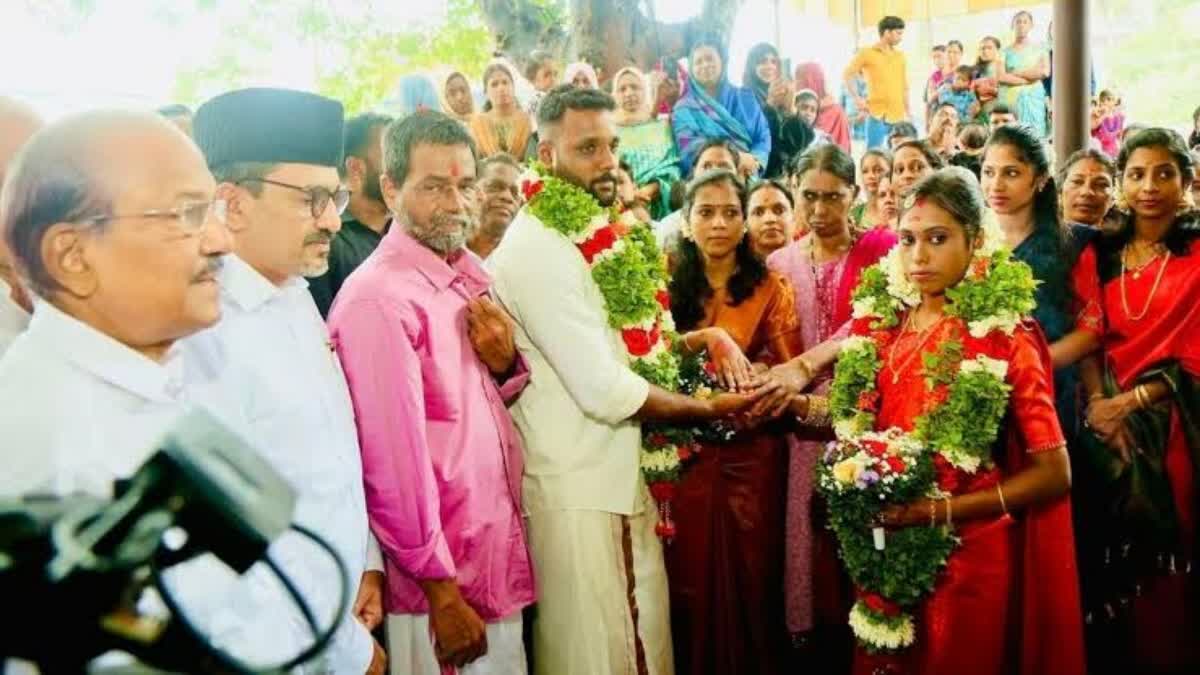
(430, 361)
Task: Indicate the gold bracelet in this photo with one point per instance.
(817, 412)
(1143, 397)
(1094, 397)
(1003, 504)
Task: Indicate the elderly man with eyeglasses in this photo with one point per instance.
(274, 154)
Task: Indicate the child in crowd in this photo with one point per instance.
(1108, 121)
(958, 92)
(971, 140)
(902, 132)
(808, 105)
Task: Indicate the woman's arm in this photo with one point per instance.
(1072, 347)
(1037, 73)
(1005, 77)
(1047, 477)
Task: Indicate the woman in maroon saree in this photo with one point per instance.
(1143, 450)
(1008, 599)
(725, 563)
(823, 267)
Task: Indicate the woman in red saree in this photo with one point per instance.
(1143, 450)
(725, 563)
(1007, 600)
(831, 118)
(823, 267)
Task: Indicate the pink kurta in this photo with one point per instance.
(442, 460)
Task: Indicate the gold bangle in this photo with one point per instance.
(1143, 395)
(1137, 396)
(1095, 397)
(816, 412)
(1003, 504)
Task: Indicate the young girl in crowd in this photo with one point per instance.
(1108, 122)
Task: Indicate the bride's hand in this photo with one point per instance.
(906, 515)
(734, 370)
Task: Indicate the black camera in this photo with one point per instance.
(73, 569)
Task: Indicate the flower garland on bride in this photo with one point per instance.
(631, 273)
(865, 470)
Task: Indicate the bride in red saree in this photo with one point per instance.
(1007, 599)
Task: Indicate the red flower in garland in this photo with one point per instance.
(946, 474)
(685, 452)
(979, 268)
(619, 228)
(656, 440)
(875, 448)
(600, 241)
(663, 491)
(710, 368)
(896, 464)
(663, 298)
(880, 605)
(638, 341)
(531, 188)
(882, 338)
(868, 401)
(862, 325)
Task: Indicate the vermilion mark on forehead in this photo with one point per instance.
(455, 170)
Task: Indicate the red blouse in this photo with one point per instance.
(1169, 323)
(904, 395)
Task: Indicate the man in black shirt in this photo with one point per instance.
(366, 218)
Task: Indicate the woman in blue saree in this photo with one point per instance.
(714, 108)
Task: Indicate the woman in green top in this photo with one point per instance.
(647, 144)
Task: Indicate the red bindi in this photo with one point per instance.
(455, 170)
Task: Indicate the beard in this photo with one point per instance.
(602, 187)
(371, 187)
(443, 234)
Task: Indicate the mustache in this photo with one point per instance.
(212, 266)
(606, 177)
(318, 237)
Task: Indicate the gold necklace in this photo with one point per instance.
(1153, 289)
(922, 336)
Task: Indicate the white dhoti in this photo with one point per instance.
(410, 648)
(602, 605)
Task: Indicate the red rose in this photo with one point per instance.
(530, 188)
(946, 474)
(664, 299)
(665, 529)
(639, 342)
(875, 448)
(895, 464)
(600, 241)
(656, 440)
(710, 368)
(861, 325)
(880, 605)
(684, 452)
(868, 400)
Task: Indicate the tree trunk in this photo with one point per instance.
(609, 34)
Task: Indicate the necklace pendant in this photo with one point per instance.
(1137, 275)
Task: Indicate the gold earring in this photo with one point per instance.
(1120, 202)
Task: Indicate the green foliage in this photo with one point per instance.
(1006, 290)
(855, 373)
(357, 58)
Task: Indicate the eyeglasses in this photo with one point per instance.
(318, 197)
(191, 216)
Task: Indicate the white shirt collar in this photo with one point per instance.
(104, 357)
(13, 317)
(249, 289)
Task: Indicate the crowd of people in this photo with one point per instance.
(461, 334)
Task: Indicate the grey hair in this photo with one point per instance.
(426, 126)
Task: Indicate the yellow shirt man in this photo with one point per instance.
(884, 68)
